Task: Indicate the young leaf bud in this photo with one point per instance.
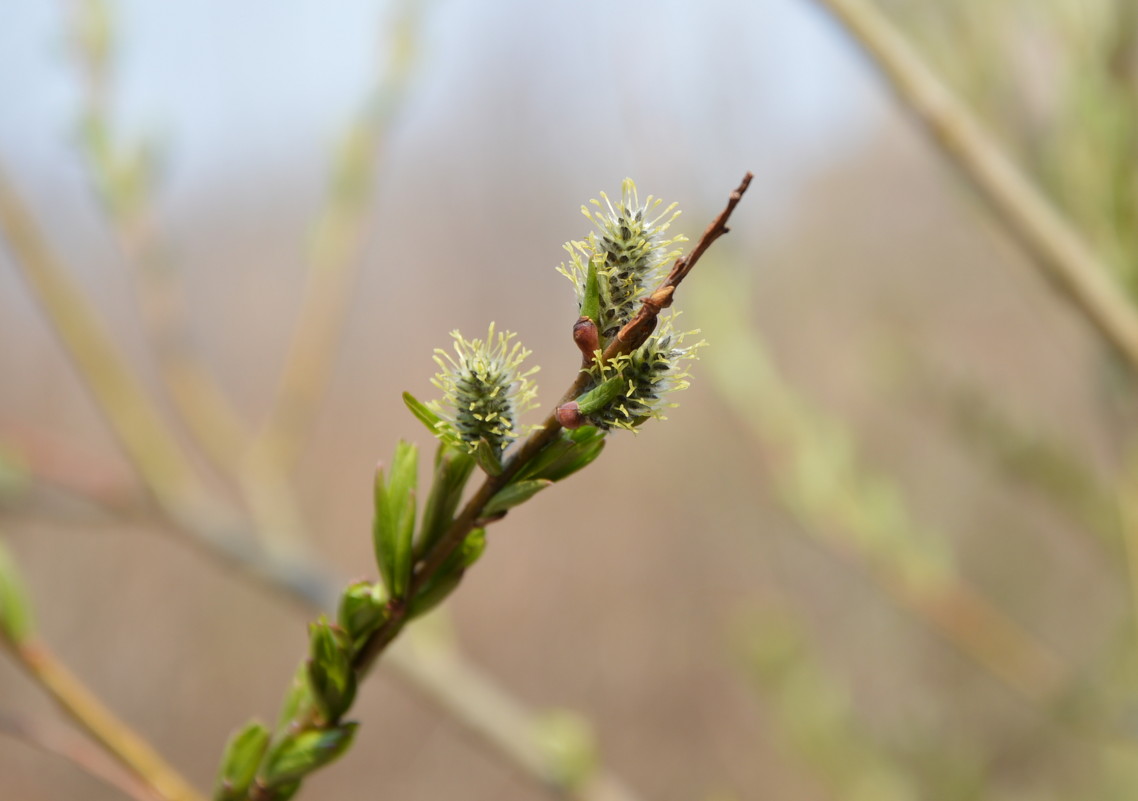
(330, 675)
(239, 765)
(299, 754)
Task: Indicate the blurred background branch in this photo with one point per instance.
(858, 514)
(1054, 245)
(58, 741)
(18, 636)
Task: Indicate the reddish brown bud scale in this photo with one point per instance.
(587, 339)
(569, 415)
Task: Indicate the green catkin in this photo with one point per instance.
(630, 250)
(484, 390)
(648, 374)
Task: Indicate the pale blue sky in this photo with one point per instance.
(253, 86)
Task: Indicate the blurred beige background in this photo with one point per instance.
(864, 260)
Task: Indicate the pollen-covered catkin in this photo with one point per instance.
(484, 390)
(646, 377)
(629, 249)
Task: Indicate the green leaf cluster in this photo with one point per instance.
(331, 677)
(394, 525)
(363, 609)
(239, 765)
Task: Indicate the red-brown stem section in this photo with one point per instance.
(630, 337)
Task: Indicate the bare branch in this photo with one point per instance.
(639, 328)
(1056, 248)
(119, 394)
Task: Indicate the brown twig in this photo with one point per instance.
(1055, 247)
(636, 332)
(471, 516)
(716, 229)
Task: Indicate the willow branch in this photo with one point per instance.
(131, 750)
(630, 337)
(1054, 246)
(472, 515)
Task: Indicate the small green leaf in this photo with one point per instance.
(424, 414)
(404, 469)
(601, 396)
(571, 451)
(488, 458)
(452, 470)
(472, 547)
(404, 547)
(363, 608)
(298, 755)
(591, 299)
(465, 554)
(15, 608)
(588, 444)
(330, 675)
(239, 765)
(513, 494)
(394, 525)
(381, 530)
(298, 696)
(450, 574)
(433, 594)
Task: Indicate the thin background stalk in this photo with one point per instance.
(1055, 247)
(61, 742)
(112, 733)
